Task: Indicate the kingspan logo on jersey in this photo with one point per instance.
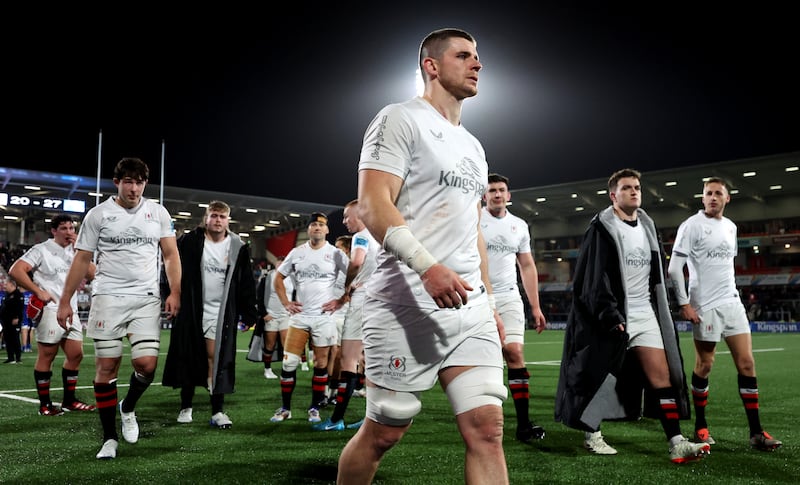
(466, 177)
(397, 366)
(131, 237)
(210, 268)
(500, 245)
(638, 258)
(311, 272)
(723, 251)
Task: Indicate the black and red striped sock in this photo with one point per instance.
(700, 400)
(42, 380)
(106, 397)
(748, 391)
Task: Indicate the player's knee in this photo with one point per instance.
(476, 387)
(146, 379)
(144, 346)
(290, 362)
(703, 366)
(111, 349)
(393, 408)
(746, 366)
(73, 361)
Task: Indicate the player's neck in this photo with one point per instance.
(499, 212)
(125, 203)
(316, 243)
(215, 236)
(447, 105)
(625, 215)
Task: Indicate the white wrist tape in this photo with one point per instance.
(400, 242)
(492, 302)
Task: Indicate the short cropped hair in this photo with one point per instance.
(351, 203)
(346, 241)
(717, 180)
(134, 168)
(621, 174)
(435, 43)
(496, 178)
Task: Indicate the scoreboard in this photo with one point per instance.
(46, 203)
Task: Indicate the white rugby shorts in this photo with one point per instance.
(115, 316)
(50, 332)
(643, 329)
(355, 316)
(322, 328)
(512, 311)
(721, 322)
(405, 347)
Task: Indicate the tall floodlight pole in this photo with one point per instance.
(97, 187)
(161, 201)
(99, 158)
(161, 192)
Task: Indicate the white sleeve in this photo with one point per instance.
(388, 141)
(675, 270)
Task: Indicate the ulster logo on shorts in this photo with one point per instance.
(397, 364)
(396, 368)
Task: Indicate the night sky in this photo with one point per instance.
(276, 105)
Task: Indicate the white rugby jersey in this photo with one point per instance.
(50, 263)
(339, 285)
(338, 292)
(444, 174)
(215, 268)
(710, 246)
(636, 264)
(274, 306)
(364, 241)
(315, 272)
(126, 241)
(505, 238)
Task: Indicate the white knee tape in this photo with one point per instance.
(290, 362)
(108, 348)
(144, 346)
(143, 378)
(476, 387)
(394, 408)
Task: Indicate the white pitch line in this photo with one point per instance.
(19, 398)
(777, 349)
(11, 394)
(558, 362)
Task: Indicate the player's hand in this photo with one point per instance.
(501, 327)
(294, 307)
(172, 305)
(64, 315)
(689, 313)
(445, 286)
(332, 305)
(539, 321)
